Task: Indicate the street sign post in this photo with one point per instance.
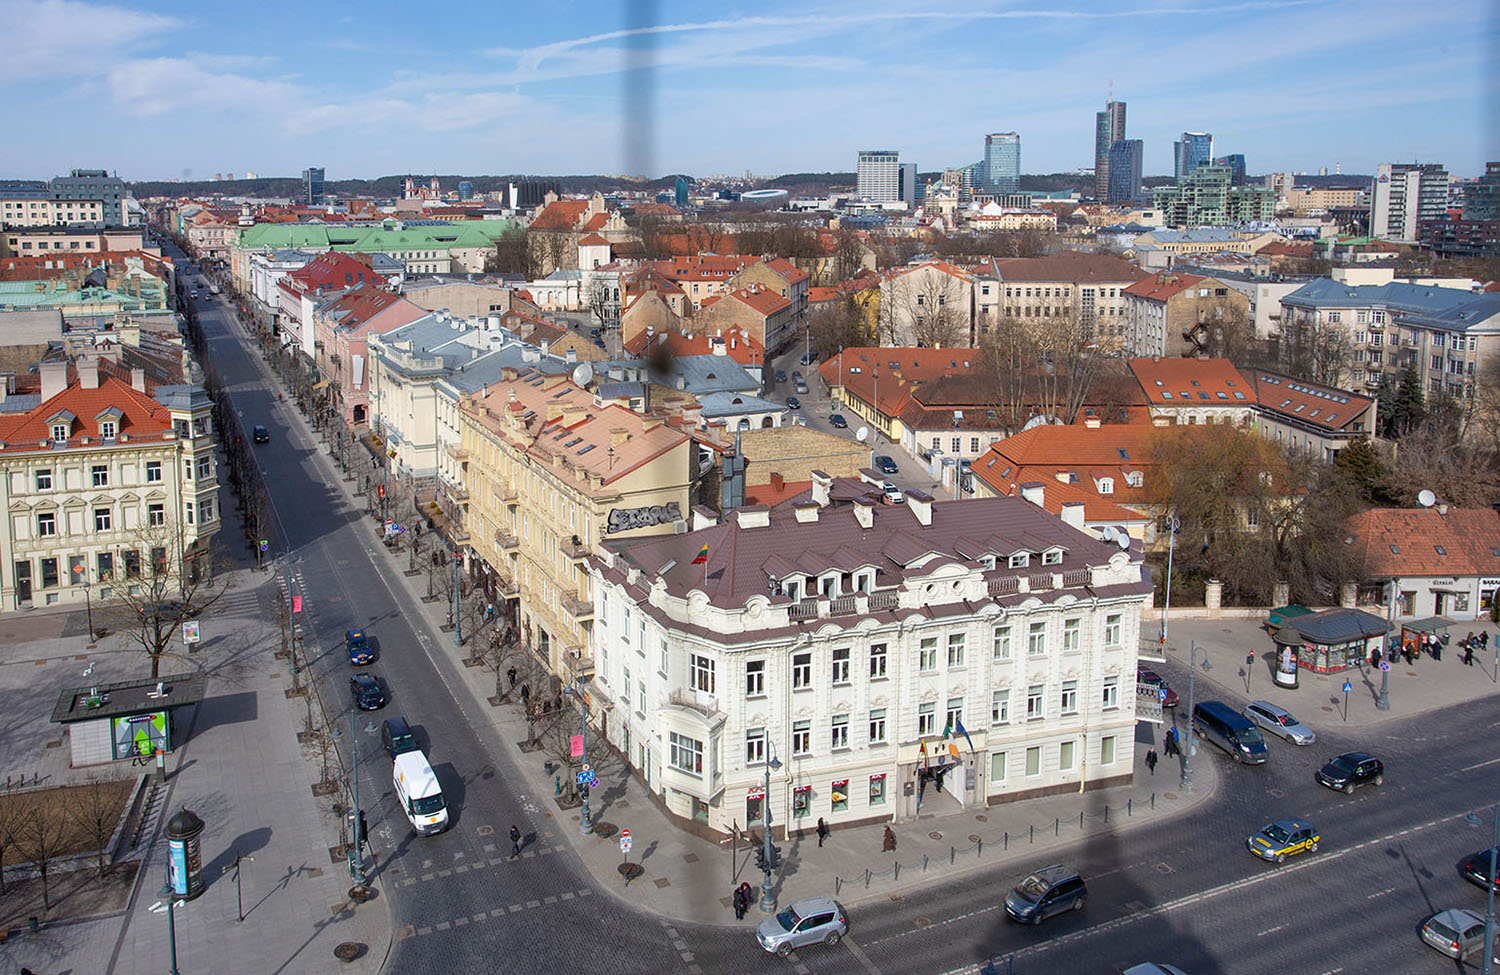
(625, 844)
(1347, 688)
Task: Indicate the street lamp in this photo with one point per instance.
(458, 625)
(1166, 607)
(1187, 752)
(585, 825)
(1473, 819)
(88, 600)
(767, 899)
(167, 893)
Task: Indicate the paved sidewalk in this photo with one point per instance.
(241, 770)
(1318, 700)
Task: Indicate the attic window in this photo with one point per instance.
(1165, 394)
(1160, 383)
(1124, 454)
(1239, 395)
(59, 433)
(1020, 560)
(107, 429)
(1440, 550)
(1196, 383)
(587, 449)
(1222, 395)
(1395, 550)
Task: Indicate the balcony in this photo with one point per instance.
(506, 540)
(885, 599)
(1041, 582)
(577, 607)
(804, 609)
(704, 703)
(1078, 577)
(507, 587)
(574, 548)
(578, 662)
(457, 452)
(504, 493)
(1007, 586)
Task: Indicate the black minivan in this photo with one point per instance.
(397, 737)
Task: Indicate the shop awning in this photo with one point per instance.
(1431, 624)
(320, 385)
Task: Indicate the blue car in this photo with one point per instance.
(358, 647)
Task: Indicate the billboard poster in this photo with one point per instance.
(139, 735)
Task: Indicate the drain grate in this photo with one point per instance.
(922, 922)
(1164, 868)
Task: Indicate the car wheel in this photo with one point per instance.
(1312, 848)
(1379, 780)
(1349, 788)
(1078, 903)
(1281, 858)
(784, 949)
(833, 938)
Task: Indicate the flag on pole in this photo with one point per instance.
(923, 752)
(702, 557)
(953, 750)
(965, 732)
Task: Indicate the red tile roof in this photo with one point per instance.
(591, 240)
(1308, 402)
(738, 345)
(1174, 381)
(560, 215)
(763, 300)
(1163, 285)
(141, 416)
(702, 267)
(334, 270)
(791, 272)
(1425, 542)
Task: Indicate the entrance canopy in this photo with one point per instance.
(1431, 624)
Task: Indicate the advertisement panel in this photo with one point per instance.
(139, 735)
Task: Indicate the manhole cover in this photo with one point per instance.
(973, 837)
(1277, 793)
(935, 835)
(1164, 868)
(923, 922)
(485, 830)
(981, 818)
(690, 858)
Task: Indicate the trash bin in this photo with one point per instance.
(185, 854)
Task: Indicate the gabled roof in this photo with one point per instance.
(141, 416)
(1163, 285)
(1426, 542)
(1307, 402)
(560, 215)
(762, 301)
(1175, 381)
(592, 240)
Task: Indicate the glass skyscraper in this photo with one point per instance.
(1002, 162)
(1109, 128)
(1195, 149)
(1124, 170)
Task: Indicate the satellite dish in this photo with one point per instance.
(1108, 533)
(862, 434)
(583, 374)
(1426, 498)
(1123, 540)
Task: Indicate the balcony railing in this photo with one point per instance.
(1040, 582)
(803, 609)
(704, 703)
(1007, 586)
(1078, 577)
(505, 539)
(886, 599)
(578, 607)
(574, 548)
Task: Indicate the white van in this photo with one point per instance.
(419, 794)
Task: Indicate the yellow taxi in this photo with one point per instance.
(1283, 838)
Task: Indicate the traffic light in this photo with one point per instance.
(362, 834)
(760, 857)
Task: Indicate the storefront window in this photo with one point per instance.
(755, 808)
(801, 800)
(877, 790)
(840, 795)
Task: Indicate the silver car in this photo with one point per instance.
(812, 920)
(1279, 721)
(1456, 933)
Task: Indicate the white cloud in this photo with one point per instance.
(63, 38)
(155, 86)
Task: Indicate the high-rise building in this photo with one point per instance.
(1404, 196)
(1195, 149)
(1204, 198)
(1109, 128)
(1002, 162)
(94, 184)
(878, 175)
(1124, 170)
(680, 191)
(312, 185)
(1482, 199)
(465, 189)
(1236, 163)
(908, 173)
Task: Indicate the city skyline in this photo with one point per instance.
(179, 90)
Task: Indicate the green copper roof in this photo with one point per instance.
(389, 236)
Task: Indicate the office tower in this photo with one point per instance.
(1236, 163)
(1109, 128)
(680, 192)
(312, 185)
(1195, 149)
(1404, 196)
(1002, 162)
(908, 189)
(93, 184)
(465, 189)
(1482, 199)
(1124, 171)
(1204, 198)
(878, 176)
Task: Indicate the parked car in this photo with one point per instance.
(1048, 892)
(1351, 769)
(892, 494)
(885, 465)
(794, 402)
(366, 691)
(1476, 869)
(1279, 721)
(357, 645)
(167, 610)
(397, 737)
(800, 387)
(781, 375)
(838, 420)
(812, 920)
(261, 434)
(808, 359)
(796, 375)
(1284, 838)
(1145, 675)
(1457, 933)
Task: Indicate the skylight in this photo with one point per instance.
(587, 449)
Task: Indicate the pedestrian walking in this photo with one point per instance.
(1437, 649)
(747, 893)
(1468, 653)
(515, 841)
(822, 831)
(1484, 639)
(1151, 760)
(888, 843)
(525, 692)
(739, 904)
(1375, 657)
(511, 673)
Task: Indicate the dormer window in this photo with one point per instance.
(1052, 556)
(1106, 485)
(59, 433)
(106, 429)
(1020, 560)
(1135, 479)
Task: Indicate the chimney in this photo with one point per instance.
(1072, 514)
(571, 355)
(806, 511)
(1091, 422)
(88, 373)
(54, 379)
(1035, 492)
(1442, 508)
(778, 483)
(864, 512)
(618, 436)
(919, 503)
(138, 380)
(822, 483)
(753, 516)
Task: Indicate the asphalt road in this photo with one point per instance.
(1186, 893)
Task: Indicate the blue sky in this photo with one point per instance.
(163, 89)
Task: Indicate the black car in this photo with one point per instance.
(885, 465)
(1351, 769)
(1476, 868)
(808, 359)
(781, 375)
(838, 420)
(1048, 892)
(397, 737)
(794, 403)
(261, 434)
(367, 693)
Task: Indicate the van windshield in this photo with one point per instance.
(1247, 736)
(427, 805)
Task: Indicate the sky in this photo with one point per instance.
(186, 90)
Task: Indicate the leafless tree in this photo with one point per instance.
(96, 813)
(927, 307)
(840, 325)
(1320, 353)
(41, 840)
(149, 602)
(12, 819)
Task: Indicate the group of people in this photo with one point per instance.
(1472, 643)
(744, 896)
(1430, 643)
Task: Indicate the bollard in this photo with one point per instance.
(924, 863)
(1129, 803)
(1106, 814)
(952, 854)
(1032, 829)
(1005, 839)
(979, 849)
(867, 878)
(1080, 819)
(838, 883)
(1153, 800)
(897, 868)
(1057, 826)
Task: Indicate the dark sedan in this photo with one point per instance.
(367, 693)
(1476, 868)
(838, 420)
(781, 375)
(261, 434)
(793, 403)
(885, 465)
(1351, 769)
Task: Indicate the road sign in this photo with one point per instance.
(1161, 694)
(1385, 665)
(624, 841)
(1348, 687)
(1250, 659)
(264, 544)
(380, 490)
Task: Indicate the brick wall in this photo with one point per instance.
(795, 452)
